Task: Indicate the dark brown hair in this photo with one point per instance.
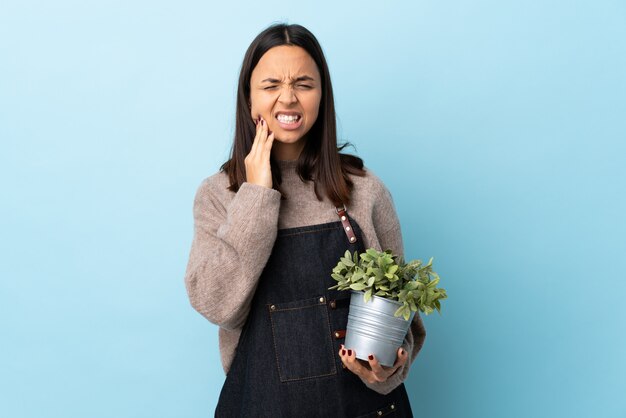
(320, 160)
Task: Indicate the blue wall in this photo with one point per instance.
(499, 127)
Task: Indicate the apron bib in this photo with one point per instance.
(286, 363)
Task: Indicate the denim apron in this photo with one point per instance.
(286, 363)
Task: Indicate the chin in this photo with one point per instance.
(287, 139)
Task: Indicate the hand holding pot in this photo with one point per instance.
(372, 371)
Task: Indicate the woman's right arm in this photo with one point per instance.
(232, 244)
(230, 248)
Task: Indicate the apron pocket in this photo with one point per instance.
(302, 339)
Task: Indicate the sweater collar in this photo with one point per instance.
(287, 165)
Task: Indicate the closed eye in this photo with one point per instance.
(302, 86)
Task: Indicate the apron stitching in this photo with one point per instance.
(310, 377)
(275, 348)
(329, 335)
(338, 225)
(293, 309)
(309, 232)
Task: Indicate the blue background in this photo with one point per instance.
(499, 128)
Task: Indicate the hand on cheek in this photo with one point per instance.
(257, 162)
(256, 116)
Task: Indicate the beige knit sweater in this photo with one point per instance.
(234, 234)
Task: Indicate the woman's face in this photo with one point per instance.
(285, 90)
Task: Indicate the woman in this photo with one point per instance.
(269, 228)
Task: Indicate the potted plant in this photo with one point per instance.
(386, 294)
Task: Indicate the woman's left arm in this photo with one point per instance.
(377, 378)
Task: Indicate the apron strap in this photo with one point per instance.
(343, 215)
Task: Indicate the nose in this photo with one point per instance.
(287, 95)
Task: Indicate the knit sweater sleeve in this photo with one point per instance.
(231, 245)
(387, 226)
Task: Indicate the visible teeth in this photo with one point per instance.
(287, 118)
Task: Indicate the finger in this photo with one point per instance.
(342, 355)
(342, 352)
(403, 356)
(376, 367)
(265, 144)
(359, 368)
(259, 141)
(268, 143)
(264, 129)
(261, 134)
(355, 366)
(400, 360)
(255, 141)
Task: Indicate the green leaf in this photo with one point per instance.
(357, 286)
(347, 261)
(372, 252)
(357, 275)
(434, 282)
(368, 295)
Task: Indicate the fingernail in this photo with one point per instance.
(371, 357)
(263, 122)
(349, 352)
(402, 351)
(343, 352)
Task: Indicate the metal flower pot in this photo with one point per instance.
(373, 328)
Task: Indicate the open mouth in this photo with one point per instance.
(288, 119)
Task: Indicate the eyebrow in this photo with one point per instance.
(301, 78)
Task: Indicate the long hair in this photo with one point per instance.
(320, 160)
